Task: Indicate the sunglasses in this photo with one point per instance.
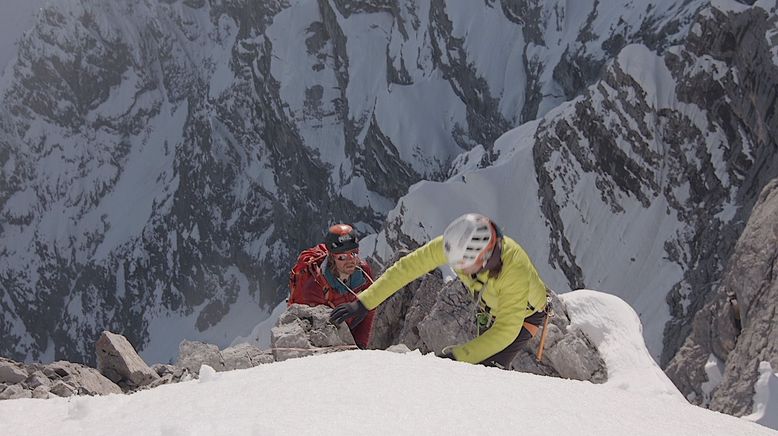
(346, 256)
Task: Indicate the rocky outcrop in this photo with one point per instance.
(568, 353)
(121, 370)
(737, 327)
(406, 317)
(64, 379)
(169, 374)
(117, 360)
(738, 91)
(304, 331)
(83, 379)
(193, 354)
(300, 331)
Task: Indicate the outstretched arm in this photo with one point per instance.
(404, 271)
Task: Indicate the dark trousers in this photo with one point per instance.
(504, 358)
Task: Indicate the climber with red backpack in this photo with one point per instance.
(332, 273)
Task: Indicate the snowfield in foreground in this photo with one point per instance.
(379, 392)
(372, 392)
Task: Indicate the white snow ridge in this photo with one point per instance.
(383, 393)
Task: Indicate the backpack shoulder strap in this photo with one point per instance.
(314, 267)
(365, 267)
(306, 265)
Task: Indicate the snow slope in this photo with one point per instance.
(766, 397)
(378, 392)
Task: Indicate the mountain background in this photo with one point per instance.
(163, 161)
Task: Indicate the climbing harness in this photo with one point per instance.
(483, 318)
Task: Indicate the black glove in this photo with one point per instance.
(446, 354)
(354, 310)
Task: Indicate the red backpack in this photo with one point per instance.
(307, 265)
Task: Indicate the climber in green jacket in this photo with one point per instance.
(510, 295)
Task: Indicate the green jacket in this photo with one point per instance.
(508, 295)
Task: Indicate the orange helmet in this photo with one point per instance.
(341, 238)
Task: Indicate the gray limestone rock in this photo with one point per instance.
(118, 360)
(404, 318)
(737, 326)
(450, 319)
(37, 379)
(82, 379)
(11, 372)
(193, 354)
(41, 392)
(163, 370)
(61, 378)
(687, 369)
(169, 374)
(745, 111)
(399, 348)
(14, 392)
(303, 331)
(573, 356)
(63, 389)
(566, 353)
(753, 280)
(244, 356)
(389, 318)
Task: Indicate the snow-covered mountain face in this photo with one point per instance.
(164, 161)
(734, 338)
(17, 17)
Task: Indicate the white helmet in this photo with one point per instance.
(468, 240)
